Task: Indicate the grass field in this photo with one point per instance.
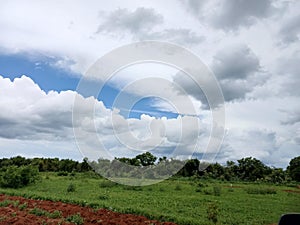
(179, 200)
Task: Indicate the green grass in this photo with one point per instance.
(182, 201)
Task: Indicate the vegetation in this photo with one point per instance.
(175, 199)
(294, 169)
(76, 219)
(148, 166)
(17, 177)
(242, 192)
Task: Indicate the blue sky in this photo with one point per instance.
(51, 78)
(253, 52)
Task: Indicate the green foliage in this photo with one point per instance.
(71, 187)
(217, 190)
(163, 202)
(212, 212)
(17, 177)
(23, 206)
(55, 215)
(75, 218)
(5, 203)
(107, 184)
(251, 169)
(178, 187)
(62, 173)
(294, 169)
(38, 212)
(260, 191)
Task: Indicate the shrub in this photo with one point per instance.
(38, 212)
(17, 177)
(75, 218)
(56, 214)
(212, 212)
(178, 188)
(107, 184)
(103, 197)
(23, 206)
(217, 190)
(71, 188)
(62, 173)
(207, 191)
(260, 191)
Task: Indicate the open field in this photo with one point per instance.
(182, 201)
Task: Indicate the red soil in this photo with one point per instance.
(292, 191)
(14, 215)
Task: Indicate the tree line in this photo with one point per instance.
(149, 166)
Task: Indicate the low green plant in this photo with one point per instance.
(178, 187)
(75, 218)
(5, 203)
(62, 173)
(55, 214)
(23, 206)
(217, 190)
(107, 184)
(212, 212)
(38, 212)
(260, 191)
(71, 187)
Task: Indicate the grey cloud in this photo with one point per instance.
(235, 13)
(230, 14)
(179, 36)
(237, 70)
(235, 89)
(140, 20)
(290, 30)
(194, 6)
(237, 62)
(289, 69)
(140, 24)
(292, 118)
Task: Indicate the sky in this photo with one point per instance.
(252, 48)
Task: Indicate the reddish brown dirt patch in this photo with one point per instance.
(12, 214)
(292, 191)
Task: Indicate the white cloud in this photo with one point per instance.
(30, 114)
(260, 73)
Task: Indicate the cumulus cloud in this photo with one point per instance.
(290, 30)
(145, 24)
(30, 114)
(230, 15)
(237, 69)
(235, 62)
(233, 14)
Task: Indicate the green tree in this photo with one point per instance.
(16, 177)
(252, 169)
(294, 168)
(146, 159)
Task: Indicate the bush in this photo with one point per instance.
(212, 212)
(62, 174)
(107, 184)
(178, 188)
(76, 218)
(217, 190)
(71, 188)
(260, 191)
(17, 177)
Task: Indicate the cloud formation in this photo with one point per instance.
(140, 20)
